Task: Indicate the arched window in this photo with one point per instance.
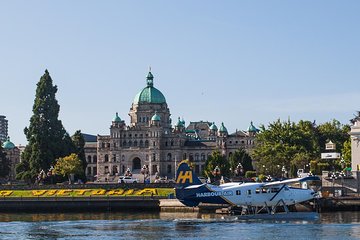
(184, 156)
(89, 159)
(172, 143)
(103, 145)
(191, 157)
(168, 157)
(203, 157)
(135, 143)
(141, 143)
(94, 159)
(106, 158)
(124, 143)
(197, 157)
(123, 158)
(146, 143)
(130, 143)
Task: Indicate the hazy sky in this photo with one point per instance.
(231, 61)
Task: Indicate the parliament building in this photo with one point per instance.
(152, 142)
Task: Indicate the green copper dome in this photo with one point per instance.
(149, 94)
(8, 145)
(222, 128)
(213, 127)
(156, 117)
(252, 128)
(117, 118)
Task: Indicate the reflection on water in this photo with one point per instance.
(174, 225)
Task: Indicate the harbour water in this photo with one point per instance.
(335, 225)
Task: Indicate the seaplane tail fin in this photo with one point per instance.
(185, 176)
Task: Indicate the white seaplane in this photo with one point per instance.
(255, 196)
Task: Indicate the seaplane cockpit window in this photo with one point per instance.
(249, 191)
(238, 192)
(258, 190)
(274, 190)
(286, 188)
(264, 190)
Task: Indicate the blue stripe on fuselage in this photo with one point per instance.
(193, 196)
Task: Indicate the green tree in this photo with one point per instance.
(346, 152)
(79, 142)
(217, 159)
(282, 144)
(47, 138)
(4, 163)
(335, 131)
(66, 166)
(242, 157)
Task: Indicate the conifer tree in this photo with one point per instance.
(47, 138)
(79, 142)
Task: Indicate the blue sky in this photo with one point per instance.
(223, 61)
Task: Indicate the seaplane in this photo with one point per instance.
(253, 196)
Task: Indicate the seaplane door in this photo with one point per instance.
(288, 194)
(248, 196)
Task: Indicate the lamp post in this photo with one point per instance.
(128, 172)
(239, 170)
(333, 177)
(342, 175)
(342, 163)
(216, 172)
(144, 171)
(283, 171)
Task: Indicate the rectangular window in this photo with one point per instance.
(249, 192)
(154, 169)
(258, 190)
(238, 192)
(168, 168)
(197, 169)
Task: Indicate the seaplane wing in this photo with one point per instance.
(191, 191)
(293, 180)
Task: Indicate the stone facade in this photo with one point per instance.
(13, 156)
(150, 140)
(355, 143)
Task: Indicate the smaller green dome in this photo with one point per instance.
(222, 128)
(179, 123)
(183, 121)
(213, 127)
(252, 128)
(8, 145)
(117, 118)
(156, 117)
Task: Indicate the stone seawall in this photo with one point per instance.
(69, 204)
